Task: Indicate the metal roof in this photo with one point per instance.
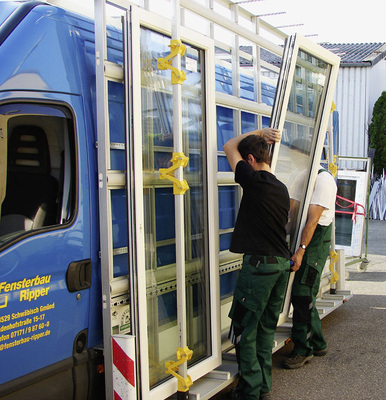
(351, 54)
(357, 54)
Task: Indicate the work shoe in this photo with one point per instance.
(296, 361)
(320, 353)
(265, 396)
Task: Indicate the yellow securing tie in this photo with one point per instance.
(183, 355)
(332, 166)
(333, 169)
(178, 160)
(334, 275)
(176, 47)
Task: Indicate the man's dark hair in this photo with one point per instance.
(255, 145)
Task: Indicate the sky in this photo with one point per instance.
(334, 21)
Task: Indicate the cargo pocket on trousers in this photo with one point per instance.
(239, 315)
(310, 274)
(302, 309)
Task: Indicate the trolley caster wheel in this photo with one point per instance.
(362, 267)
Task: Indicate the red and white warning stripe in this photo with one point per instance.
(124, 367)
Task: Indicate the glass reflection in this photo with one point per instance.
(343, 222)
(298, 136)
(159, 209)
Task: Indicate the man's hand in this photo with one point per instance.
(270, 135)
(297, 259)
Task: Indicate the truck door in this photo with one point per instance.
(45, 266)
(301, 110)
(156, 211)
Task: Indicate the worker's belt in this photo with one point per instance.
(254, 260)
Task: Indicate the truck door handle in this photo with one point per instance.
(78, 275)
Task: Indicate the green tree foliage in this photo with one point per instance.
(377, 133)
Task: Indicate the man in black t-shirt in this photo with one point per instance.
(260, 235)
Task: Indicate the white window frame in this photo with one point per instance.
(142, 18)
(289, 60)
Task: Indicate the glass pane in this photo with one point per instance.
(268, 90)
(119, 218)
(223, 71)
(227, 284)
(159, 208)
(116, 122)
(224, 133)
(248, 122)
(343, 217)
(227, 207)
(300, 129)
(247, 82)
(37, 180)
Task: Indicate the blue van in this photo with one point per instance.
(50, 279)
(50, 308)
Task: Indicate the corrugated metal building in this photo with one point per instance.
(361, 81)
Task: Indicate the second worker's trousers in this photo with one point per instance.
(307, 327)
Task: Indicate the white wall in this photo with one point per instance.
(358, 88)
(351, 99)
(377, 84)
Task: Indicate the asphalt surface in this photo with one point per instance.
(376, 243)
(355, 365)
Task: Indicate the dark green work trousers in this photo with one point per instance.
(307, 328)
(256, 307)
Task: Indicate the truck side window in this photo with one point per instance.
(39, 175)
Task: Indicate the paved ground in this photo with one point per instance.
(376, 243)
(355, 366)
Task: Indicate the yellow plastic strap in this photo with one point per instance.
(183, 355)
(178, 160)
(333, 168)
(334, 258)
(176, 47)
(333, 106)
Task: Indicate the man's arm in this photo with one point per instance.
(230, 147)
(292, 218)
(313, 216)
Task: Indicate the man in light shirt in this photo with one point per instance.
(309, 260)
